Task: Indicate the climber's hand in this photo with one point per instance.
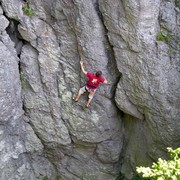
(81, 62)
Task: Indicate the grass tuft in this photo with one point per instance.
(163, 37)
(28, 10)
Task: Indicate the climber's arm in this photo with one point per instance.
(82, 67)
(105, 81)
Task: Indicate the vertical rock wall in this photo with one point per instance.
(149, 87)
(21, 152)
(132, 119)
(79, 142)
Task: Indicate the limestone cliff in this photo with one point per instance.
(132, 119)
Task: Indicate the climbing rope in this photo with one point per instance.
(74, 27)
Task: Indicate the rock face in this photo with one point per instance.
(132, 119)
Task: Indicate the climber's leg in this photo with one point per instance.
(91, 94)
(81, 91)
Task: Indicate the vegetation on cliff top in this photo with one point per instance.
(163, 169)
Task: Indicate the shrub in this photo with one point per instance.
(45, 178)
(163, 169)
(58, 177)
(137, 177)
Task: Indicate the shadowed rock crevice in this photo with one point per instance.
(112, 64)
(15, 36)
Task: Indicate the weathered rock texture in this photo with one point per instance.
(133, 118)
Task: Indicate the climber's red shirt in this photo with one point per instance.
(93, 81)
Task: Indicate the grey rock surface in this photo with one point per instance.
(3, 23)
(13, 8)
(132, 119)
(150, 77)
(20, 149)
(1, 11)
(10, 104)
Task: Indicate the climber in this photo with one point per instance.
(93, 82)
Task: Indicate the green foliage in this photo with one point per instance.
(23, 80)
(137, 177)
(163, 37)
(45, 178)
(120, 177)
(58, 177)
(28, 10)
(170, 51)
(164, 169)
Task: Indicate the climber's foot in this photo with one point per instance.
(75, 99)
